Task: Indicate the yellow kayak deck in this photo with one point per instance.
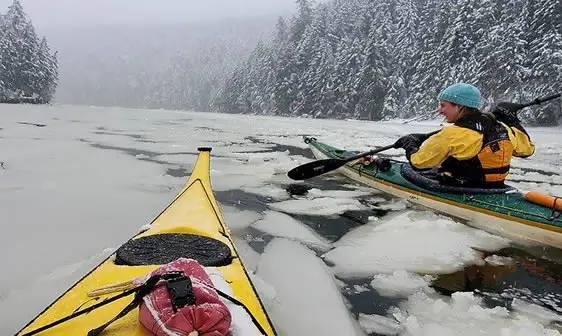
(194, 211)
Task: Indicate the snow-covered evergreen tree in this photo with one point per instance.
(47, 74)
(3, 68)
(391, 58)
(373, 77)
(29, 70)
(545, 51)
(427, 74)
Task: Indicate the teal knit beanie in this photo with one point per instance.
(462, 94)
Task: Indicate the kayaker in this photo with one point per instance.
(476, 150)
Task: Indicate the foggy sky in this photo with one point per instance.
(78, 12)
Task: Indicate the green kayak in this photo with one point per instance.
(507, 211)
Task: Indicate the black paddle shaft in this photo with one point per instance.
(538, 101)
(319, 167)
(374, 151)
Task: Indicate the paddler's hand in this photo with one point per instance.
(414, 138)
(506, 112)
(410, 143)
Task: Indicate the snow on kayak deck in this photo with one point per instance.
(415, 241)
(241, 324)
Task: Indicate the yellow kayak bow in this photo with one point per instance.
(192, 226)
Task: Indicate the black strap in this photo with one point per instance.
(236, 302)
(499, 170)
(81, 312)
(150, 282)
(141, 292)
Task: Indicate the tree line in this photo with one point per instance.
(28, 68)
(382, 59)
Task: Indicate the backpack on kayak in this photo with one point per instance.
(186, 305)
(178, 299)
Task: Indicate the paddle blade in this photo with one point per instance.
(314, 168)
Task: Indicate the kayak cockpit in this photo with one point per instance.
(426, 179)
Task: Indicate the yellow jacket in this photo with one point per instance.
(462, 144)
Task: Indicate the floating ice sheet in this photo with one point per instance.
(308, 300)
(535, 311)
(316, 193)
(414, 241)
(282, 225)
(237, 219)
(270, 191)
(249, 256)
(380, 325)
(401, 283)
(322, 206)
(463, 314)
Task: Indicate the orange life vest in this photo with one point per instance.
(490, 166)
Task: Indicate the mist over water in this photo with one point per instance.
(141, 53)
(66, 13)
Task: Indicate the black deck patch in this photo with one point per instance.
(164, 248)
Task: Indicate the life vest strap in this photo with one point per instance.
(498, 170)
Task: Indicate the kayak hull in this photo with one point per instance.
(194, 211)
(491, 213)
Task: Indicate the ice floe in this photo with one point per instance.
(269, 191)
(249, 256)
(400, 283)
(380, 325)
(307, 300)
(316, 193)
(463, 314)
(321, 206)
(282, 225)
(239, 219)
(415, 241)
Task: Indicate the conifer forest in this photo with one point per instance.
(28, 67)
(340, 59)
(390, 58)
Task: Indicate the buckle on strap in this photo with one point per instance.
(181, 292)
